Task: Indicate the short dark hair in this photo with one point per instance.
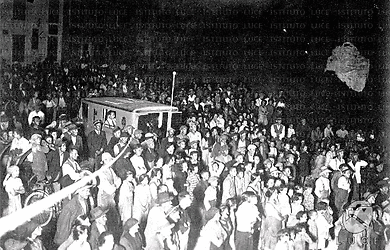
(78, 230)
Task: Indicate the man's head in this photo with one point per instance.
(73, 153)
(36, 121)
(97, 125)
(233, 171)
(117, 132)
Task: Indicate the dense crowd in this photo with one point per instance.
(234, 175)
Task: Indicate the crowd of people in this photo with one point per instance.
(233, 175)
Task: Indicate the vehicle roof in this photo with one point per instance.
(129, 104)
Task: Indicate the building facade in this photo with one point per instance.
(31, 30)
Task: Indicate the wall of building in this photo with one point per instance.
(36, 17)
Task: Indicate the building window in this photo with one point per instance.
(19, 10)
(34, 39)
(54, 8)
(52, 46)
(18, 45)
(53, 29)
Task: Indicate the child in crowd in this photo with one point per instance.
(312, 229)
(302, 238)
(283, 240)
(296, 206)
(308, 198)
(14, 187)
(323, 224)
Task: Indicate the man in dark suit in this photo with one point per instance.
(97, 142)
(55, 159)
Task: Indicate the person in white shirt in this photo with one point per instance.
(342, 132)
(71, 167)
(19, 144)
(356, 165)
(109, 183)
(336, 162)
(110, 122)
(322, 185)
(36, 112)
(278, 132)
(328, 132)
(138, 161)
(247, 214)
(290, 131)
(194, 135)
(343, 188)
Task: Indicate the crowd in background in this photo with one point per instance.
(233, 175)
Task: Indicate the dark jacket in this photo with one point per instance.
(53, 163)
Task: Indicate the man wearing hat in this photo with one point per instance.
(242, 143)
(322, 185)
(79, 205)
(149, 153)
(98, 219)
(131, 238)
(278, 131)
(343, 188)
(97, 142)
(123, 139)
(136, 138)
(71, 134)
(158, 227)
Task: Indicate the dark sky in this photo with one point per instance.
(270, 44)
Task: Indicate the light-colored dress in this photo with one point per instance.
(142, 202)
(13, 187)
(126, 200)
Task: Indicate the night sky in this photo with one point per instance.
(269, 45)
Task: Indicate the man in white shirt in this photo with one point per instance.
(138, 161)
(278, 132)
(322, 185)
(342, 132)
(336, 162)
(356, 165)
(343, 188)
(19, 145)
(247, 214)
(71, 167)
(194, 135)
(36, 112)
